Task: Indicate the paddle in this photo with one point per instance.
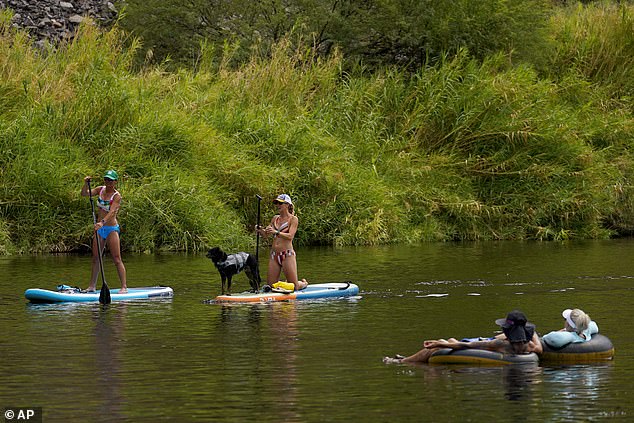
(104, 294)
(257, 236)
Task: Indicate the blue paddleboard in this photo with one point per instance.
(312, 291)
(66, 294)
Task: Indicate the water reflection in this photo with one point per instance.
(559, 393)
(284, 334)
(109, 325)
(271, 332)
(519, 381)
(573, 388)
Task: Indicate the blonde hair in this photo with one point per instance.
(581, 319)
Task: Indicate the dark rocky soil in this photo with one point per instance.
(56, 20)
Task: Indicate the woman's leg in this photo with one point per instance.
(115, 251)
(273, 272)
(94, 270)
(290, 270)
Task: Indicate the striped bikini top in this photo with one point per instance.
(282, 226)
(104, 204)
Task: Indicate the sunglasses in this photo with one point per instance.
(108, 180)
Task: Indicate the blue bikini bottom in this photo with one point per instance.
(104, 231)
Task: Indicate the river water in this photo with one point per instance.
(186, 360)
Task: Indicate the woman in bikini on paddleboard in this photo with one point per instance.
(107, 227)
(282, 228)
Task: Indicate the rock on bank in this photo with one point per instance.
(56, 20)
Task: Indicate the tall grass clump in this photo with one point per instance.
(482, 151)
(597, 42)
(596, 45)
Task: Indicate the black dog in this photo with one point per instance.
(229, 265)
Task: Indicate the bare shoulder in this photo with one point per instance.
(535, 345)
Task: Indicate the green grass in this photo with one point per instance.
(463, 150)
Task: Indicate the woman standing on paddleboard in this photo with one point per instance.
(107, 227)
(282, 228)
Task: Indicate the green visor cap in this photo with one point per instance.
(111, 174)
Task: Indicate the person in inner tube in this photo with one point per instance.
(578, 327)
(518, 337)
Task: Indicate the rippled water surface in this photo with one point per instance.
(186, 360)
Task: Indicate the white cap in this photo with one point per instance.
(283, 198)
(566, 314)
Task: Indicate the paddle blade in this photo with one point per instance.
(104, 294)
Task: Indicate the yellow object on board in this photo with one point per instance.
(284, 285)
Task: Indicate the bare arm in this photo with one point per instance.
(268, 231)
(492, 345)
(535, 345)
(114, 208)
(111, 215)
(84, 188)
(292, 228)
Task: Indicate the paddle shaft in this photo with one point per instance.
(104, 294)
(257, 232)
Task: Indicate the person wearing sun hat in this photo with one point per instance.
(516, 328)
(107, 226)
(518, 337)
(282, 229)
(578, 327)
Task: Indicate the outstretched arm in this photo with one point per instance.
(492, 345)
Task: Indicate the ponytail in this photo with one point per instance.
(580, 319)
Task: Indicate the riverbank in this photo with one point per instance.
(463, 150)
